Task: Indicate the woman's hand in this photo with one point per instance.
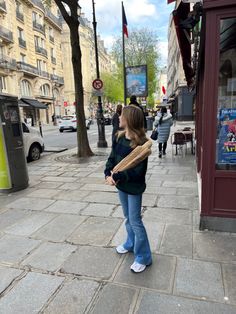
(110, 181)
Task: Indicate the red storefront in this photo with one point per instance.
(213, 74)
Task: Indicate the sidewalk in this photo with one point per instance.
(57, 242)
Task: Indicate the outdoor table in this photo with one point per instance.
(189, 138)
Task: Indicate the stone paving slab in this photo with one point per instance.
(73, 298)
(177, 241)
(159, 276)
(43, 193)
(114, 299)
(30, 203)
(58, 179)
(215, 247)
(180, 184)
(7, 275)
(118, 213)
(152, 302)
(177, 201)
(75, 196)
(10, 217)
(199, 279)
(48, 185)
(59, 229)
(30, 224)
(229, 275)
(187, 191)
(169, 215)
(102, 210)
(92, 261)
(70, 186)
(13, 248)
(149, 200)
(98, 187)
(30, 294)
(103, 197)
(49, 256)
(66, 207)
(95, 231)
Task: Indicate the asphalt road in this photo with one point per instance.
(68, 139)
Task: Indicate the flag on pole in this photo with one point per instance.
(163, 90)
(125, 23)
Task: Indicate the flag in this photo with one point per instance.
(125, 23)
(170, 1)
(163, 90)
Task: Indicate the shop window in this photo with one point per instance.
(226, 114)
(25, 88)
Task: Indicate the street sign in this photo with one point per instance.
(97, 93)
(98, 84)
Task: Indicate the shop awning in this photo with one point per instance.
(32, 102)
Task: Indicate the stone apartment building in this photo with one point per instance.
(31, 58)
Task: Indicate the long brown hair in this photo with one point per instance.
(135, 124)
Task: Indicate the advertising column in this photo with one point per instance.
(5, 181)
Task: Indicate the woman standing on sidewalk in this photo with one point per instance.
(116, 121)
(163, 123)
(131, 185)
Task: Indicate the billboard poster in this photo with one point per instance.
(227, 136)
(4, 171)
(136, 81)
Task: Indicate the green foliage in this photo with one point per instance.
(113, 87)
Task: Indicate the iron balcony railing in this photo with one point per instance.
(39, 27)
(54, 19)
(7, 63)
(20, 15)
(41, 50)
(57, 79)
(44, 74)
(3, 6)
(22, 42)
(54, 60)
(6, 35)
(25, 67)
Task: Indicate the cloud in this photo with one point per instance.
(163, 50)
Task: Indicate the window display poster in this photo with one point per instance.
(136, 80)
(4, 173)
(227, 136)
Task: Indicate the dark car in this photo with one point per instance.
(107, 119)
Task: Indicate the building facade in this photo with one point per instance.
(31, 65)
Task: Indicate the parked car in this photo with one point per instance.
(70, 123)
(33, 142)
(107, 119)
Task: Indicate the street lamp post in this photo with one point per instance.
(100, 118)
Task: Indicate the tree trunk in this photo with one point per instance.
(84, 149)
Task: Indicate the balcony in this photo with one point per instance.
(57, 79)
(20, 16)
(6, 35)
(3, 7)
(7, 63)
(51, 38)
(41, 51)
(28, 69)
(54, 60)
(54, 20)
(38, 3)
(39, 27)
(44, 74)
(22, 42)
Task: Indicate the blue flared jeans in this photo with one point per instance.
(137, 240)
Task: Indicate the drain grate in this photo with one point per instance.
(73, 159)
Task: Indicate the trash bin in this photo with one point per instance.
(13, 168)
(149, 123)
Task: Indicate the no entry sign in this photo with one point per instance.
(97, 84)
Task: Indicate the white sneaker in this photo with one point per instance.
(121, 250)
(137, 268)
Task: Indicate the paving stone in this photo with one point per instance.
(59, 229)
(186, 191)
(59, 179)
(48, 185)
(7, 276)
(165, 177)
(67, 174)
(118, 213)
(152, 302)
(71, 186)
(43, 193)
(13, 249)
(95, 231)
(169, 215)
(159, 276)
(30, 294)
(179, 184)
(152, 188)
(49, 256)
(215, 247)
(66, 207)
(92, 261)
(114, 299)
(10, 217)
(97, 175)
(199, 279)
(30, 224)
(95, 209)
(73, 298)
(229, 274)
(98, 187)
(149, 200)
(71, 196)
(82, 174)
(30, 203)
(177, 240)
(188, 202)
(89, 180)
(103, 197)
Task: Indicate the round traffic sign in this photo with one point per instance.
(97, 84)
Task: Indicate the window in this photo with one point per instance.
(39, 65)
(53, 71)
(36, 41)
(3, 85)
(51, 33)
(23, 58)
(52, 52)
(37, 18)
(25, 88)
(34, 16)
(21, 33)
(226, 114)
(45, 90)
(39, 42)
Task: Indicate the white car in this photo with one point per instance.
(70, 123)
(33, 142)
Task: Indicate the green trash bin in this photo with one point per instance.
(13, 168)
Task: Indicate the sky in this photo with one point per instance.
(153, 14)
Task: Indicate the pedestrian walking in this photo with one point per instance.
(133, 101)
(163, 123)
(116, 121)
(131, 186)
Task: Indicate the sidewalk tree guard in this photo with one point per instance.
(71, 17)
